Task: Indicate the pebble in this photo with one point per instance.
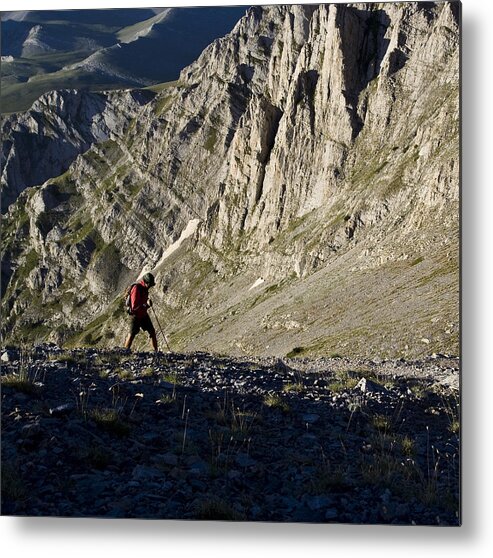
(62, 410)
(6, 356)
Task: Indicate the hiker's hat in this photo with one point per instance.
(149, 279)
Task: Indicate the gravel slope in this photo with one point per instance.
(197, 436)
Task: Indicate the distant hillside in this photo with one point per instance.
(102, 49)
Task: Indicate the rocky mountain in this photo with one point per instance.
(297, 190)
(98, 49)
(60, 126)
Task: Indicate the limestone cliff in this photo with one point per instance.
(312, 156)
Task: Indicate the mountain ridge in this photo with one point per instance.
(102, 49)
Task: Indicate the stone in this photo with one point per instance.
(145, 473)
(199, 467)
(368, 386)
(7, 356)
(169, 459)
(62, 410)
(32, 430)
(318, 502)
(244, 460)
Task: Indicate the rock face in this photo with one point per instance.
(317, 146)
(43, 142)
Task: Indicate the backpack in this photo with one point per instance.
(126, 297)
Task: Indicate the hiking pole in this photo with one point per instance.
(155, 315)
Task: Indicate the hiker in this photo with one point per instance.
(138, 304)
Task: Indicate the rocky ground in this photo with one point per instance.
(195, 436)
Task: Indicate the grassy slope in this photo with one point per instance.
(20, 96)
(28, 77)
(128, 33)
(401, 309)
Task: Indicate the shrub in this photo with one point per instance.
(295, 352)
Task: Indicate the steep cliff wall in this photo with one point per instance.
(316, 147)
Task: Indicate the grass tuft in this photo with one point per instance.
(124, 374)
(274, 401)
(20, 383)
(382, 423)
(110, 420)
(408, 446)
(343, 382)
(166, 399)
(296, 387)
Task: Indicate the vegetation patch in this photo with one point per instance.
(162, 86)
(110, 421)
(408, 446)
(96, 456)
(328, 478)
(124, 374)
(343, 381)
(166, 399)
(172, 379)
(296, 351)
(20, 382)
(296, 387)
(31, 262)
(211, 140)
(382, 423)
(275, 401)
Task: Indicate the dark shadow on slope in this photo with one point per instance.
(262, 438)
(172, 44)
(305, 91)
(364, 46)
(14, 33)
